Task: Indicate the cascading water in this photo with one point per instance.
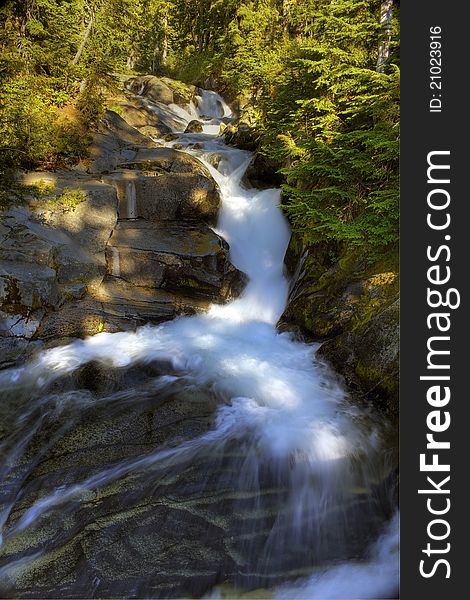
(303, 473)
(131, 200)
(210, 104)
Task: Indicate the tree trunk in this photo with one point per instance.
(85, 37)
(285, 16)
(386, 11)
(155, 61)
(131, 60)
(165, 41)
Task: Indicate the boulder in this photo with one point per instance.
(71, 270)
(171, 137)
(122, 132)
(137, 115)
(183, 93)
(151, 87)
(194, 126)
(144, 120)
(241, 135)
(162, 89)
(263, 172)
(174, 195)
(154, 133)
(114, 141)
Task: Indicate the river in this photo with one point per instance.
(307, 512)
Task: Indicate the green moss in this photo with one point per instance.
(180, 88)
(371, 375)
(42, 188)
(13, 192)
(383, 384)
(39, 194)
(189, 282)
(352, 303)
(117, 109)
(341, 290)
(69, 199)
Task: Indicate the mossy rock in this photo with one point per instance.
(353, 305)
(368, 357)
(183, 93)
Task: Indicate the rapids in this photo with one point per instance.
(283, 421)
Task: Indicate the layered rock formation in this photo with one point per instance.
(136, 247)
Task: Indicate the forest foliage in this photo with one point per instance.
(311, 72)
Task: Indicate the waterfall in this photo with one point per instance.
(296, 455)
(115, 262)
(131, 200)
(210, 104)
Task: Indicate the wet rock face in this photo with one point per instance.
(368, 358)
(156, 522)
(241, 135)
(146, 526)
(354, 307)
(263, 173)
(194, 126)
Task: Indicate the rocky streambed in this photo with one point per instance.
(161, 461)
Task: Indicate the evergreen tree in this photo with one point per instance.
(336, 123)
(322, 74)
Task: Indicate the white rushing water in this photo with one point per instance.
(288, 405)
(369, 580)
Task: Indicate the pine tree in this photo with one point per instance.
(335, 121)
